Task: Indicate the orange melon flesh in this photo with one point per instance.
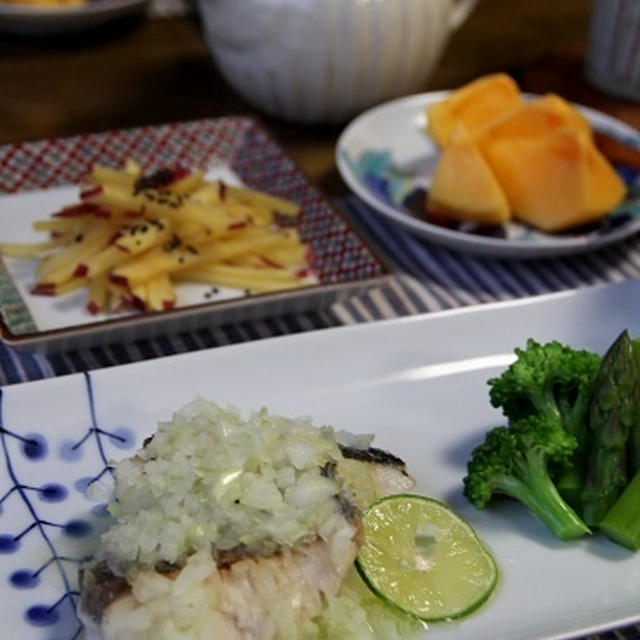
(556, 181)
(573, 117)
(533, 118)
(473, 105)
(464, 187)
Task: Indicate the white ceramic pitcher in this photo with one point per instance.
(326, 60)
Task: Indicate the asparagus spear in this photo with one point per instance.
(634, 436)
(622, 522)
(611, 415)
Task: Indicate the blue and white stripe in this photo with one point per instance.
(426, 278)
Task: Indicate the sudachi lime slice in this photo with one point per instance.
(423, 558)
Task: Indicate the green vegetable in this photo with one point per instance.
(515, 461)
(613, 411)
(622, 522)
(555, 382)
(634, 436)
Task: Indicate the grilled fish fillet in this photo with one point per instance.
(241, 595)
(387, 474)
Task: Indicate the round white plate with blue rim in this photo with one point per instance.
(386, 157)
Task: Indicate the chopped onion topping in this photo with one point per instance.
(211, 480)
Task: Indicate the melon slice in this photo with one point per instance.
(464, 187)
(572, 116)
(473, 105)
(533, 118)
(556, 181)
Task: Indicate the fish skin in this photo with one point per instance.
(374, 455)
(387, 474)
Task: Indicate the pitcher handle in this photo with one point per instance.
(461, 11)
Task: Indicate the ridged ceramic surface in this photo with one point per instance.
(326, 60)
(613, 56)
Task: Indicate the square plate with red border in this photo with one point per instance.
(38, 177)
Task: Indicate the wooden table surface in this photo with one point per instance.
(158, 70)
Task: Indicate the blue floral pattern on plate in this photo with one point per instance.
(400, 188)
(48, 526)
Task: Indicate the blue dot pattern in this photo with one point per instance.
(77, 528)
(8, 543)
(53, 492)
(70, 451)
(57, 619)
(35, 447)
(41, 616)
(24, 579)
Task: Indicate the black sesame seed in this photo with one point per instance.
(157, 180)
(172, 244)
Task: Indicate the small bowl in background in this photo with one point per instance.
(326, 60)
(613, 51)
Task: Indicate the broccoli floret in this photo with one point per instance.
(554, 382)
(551, 380)
(515, 461)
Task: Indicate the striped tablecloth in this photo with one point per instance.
(426, 278)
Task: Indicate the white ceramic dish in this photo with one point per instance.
(40, 177)
(327, 60)
(418, 384)
(51, 20)
(385, 155)
(611, 60)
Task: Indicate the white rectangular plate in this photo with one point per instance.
(418, 384)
